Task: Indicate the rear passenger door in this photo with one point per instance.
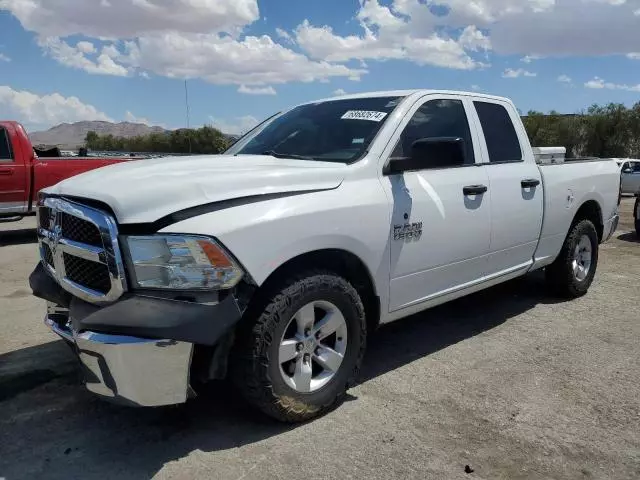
(515, 183)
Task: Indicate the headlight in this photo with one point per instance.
(181, 262)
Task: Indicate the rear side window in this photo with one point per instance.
(499, 133)
(5, 146)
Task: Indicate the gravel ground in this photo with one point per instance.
(509, 382)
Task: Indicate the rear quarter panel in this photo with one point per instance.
(568, 186)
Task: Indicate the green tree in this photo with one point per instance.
(602, 131)
(91, 139)
(202, 140)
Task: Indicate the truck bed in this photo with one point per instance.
(567, 186)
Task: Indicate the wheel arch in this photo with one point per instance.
(342, 262)
(592, 211)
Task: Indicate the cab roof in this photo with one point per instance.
(406, 93)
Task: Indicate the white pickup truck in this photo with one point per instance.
(272, 263)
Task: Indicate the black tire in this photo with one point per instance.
(258, 378)
(560, 275)
(636, 208)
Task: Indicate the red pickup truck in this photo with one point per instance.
(23, 174)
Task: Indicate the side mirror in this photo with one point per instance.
(627, 170)
(431, 152)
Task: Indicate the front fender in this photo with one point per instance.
(265, 235)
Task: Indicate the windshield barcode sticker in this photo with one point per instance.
(364, 115)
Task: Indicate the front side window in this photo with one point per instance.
(437, 119)
(5, 146)
(331, 131)
(499, 133)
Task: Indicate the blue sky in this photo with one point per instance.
(70, 60)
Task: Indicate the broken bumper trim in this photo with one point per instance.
(131, 370)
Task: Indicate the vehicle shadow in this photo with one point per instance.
(78, 435)
(631, 237)
(18, 237)
(28, 368)
(420, 335)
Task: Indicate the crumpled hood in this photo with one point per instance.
(143, 191)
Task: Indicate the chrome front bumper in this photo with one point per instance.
(132, 370)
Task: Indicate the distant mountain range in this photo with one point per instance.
(70, 136)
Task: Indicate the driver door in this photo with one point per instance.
(13, 177)
(441, 218)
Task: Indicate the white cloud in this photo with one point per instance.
(568, 27)
(517, 73)
(599, 84)
(46, 110)
(236, 126)
(130, 117)
(531, 28)
(473, 39)
(565, 79)
(257, 90)
(633, 55)
(339, 92)
(223, 60)
(86, 47)
(389, 33)
(177, 39)
(476, 88)
(76, 57)
(530, 58)
(4, 58)
(285, 35)
(131, 18)
(207, 38)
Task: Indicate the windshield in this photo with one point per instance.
(331, 131)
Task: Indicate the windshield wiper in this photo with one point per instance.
(286, 155)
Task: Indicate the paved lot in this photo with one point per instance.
(509, 381)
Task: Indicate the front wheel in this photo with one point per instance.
(296, 357)
(571, 274)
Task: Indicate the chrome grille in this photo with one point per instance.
(79, 247)
(80, 230)
(85, 272)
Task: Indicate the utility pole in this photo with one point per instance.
(186, 103)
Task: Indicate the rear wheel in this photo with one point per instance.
(297, 356)
(636, 215)
(572, 273)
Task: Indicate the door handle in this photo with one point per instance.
(530, 182)
(474, 189)
(6, 171)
